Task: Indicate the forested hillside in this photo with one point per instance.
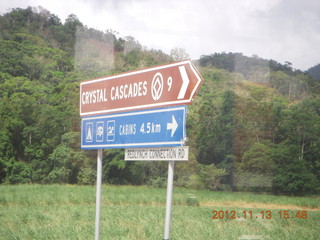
(254, 125)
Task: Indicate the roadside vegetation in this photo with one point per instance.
(137, 212)
(254, 125)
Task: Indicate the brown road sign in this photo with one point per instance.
(159, 86)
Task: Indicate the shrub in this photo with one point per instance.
(58, 175)
(21, 173)
(192, 201)
(211, 176)
(195, 182)
(86, 176)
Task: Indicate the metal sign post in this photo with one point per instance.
(98, 193)
(142, 112)
(169, 201)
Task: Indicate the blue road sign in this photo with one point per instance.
(149, 128)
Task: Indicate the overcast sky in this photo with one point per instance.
(283, 30)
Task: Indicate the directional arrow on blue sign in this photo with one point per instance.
(149, 128)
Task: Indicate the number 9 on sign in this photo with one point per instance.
(169, 82)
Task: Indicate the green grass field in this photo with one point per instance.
(128, 212)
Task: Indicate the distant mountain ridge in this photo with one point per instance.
(314, 72)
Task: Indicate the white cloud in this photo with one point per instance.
(284, 30)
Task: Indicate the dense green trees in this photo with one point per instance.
(254, 124)
(38, 91)
(42, 62)
(275, 128)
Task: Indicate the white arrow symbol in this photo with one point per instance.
(172, 126)
(185, 82)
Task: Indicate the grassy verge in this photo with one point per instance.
(127, 212)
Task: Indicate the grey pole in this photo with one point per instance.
(169, 201)
(98, 193)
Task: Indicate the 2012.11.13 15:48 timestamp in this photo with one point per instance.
(264, 214)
